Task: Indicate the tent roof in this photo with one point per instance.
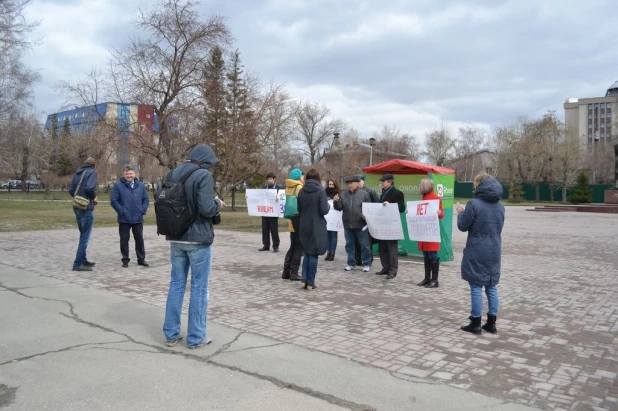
(398, 166)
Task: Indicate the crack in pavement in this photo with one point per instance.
(28, 357)
(253, 348)
(205, 360)
(417, 380)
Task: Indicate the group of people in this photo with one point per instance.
(482, 218)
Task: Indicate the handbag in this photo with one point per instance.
(216, 219)
(79, 202)
(291, 205)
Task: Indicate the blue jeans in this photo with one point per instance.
(85, 220)
(363, 240)
(331, 241)
(476, 296)
(198, 257)
(432, 255)
(310, 268)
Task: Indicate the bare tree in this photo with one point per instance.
(166, 68)
(469, 142)
(391, 140)
(439, 145)
(315, 129)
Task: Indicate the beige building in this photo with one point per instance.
(468, 166)
(594, 119)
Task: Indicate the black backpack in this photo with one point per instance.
(171, 207)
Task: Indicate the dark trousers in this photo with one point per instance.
(389, 256)
(292, 257)
(270, 227)
(357, 249)
(138, 235)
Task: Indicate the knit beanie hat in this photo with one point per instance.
(296, 174)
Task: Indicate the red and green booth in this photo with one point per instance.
(408, 175)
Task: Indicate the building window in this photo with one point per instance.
(589, 135)
(590, 125)
(602, 105)
(589, 106)
(603, 134)
(589, 116)
(602, 125)
(609, 105)
(596, 106)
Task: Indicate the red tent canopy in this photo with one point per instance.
(398, 166)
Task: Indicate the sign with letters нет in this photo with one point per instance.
(423, 221)
(263, 202)
(383, 221)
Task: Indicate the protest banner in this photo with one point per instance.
(262, 202)
(383, 221)
(423, 221)
(334, 220)
(281, 203)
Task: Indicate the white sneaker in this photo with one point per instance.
(349, 267)
(366, 269)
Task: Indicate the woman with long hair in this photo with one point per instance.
(312, 207)
(332, 189)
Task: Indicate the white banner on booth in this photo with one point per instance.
(383, 221)
(334, 220)
(423, 221)
(262, 202)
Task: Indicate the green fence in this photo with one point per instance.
(465, 190)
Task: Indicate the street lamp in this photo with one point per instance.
(336, 138)
(372, 142)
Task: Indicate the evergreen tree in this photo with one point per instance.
(516, 192)
(582, 192)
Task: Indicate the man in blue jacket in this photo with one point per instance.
(130, 200)
(193, 249)
(84, 184)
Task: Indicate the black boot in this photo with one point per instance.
(332, 258)
(427, 273)
(327, 256)
(474, 327)
(490, 325)
(435, 268)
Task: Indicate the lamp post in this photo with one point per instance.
(336, 138)
(372, 142)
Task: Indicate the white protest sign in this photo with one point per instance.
(383, 221)
(334, 220)
(262, 202)
(423, 221)
(281, 197)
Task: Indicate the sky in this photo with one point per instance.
(412, 64)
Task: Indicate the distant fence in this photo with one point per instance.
(465, 190)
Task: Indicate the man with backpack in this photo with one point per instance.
(291, 264)
(191, 248)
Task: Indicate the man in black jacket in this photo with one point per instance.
(84, 184)
(388, 248)
(374, 199)
(270, 225)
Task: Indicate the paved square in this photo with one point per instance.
(558, 322)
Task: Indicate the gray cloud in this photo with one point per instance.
(481, 62)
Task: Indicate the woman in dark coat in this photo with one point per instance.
(332, 189)
(483, 219)
(430, 249)
(312, 207)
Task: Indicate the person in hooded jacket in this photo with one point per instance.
(483, 219)
(332, 189)
(312, 207)
(130, 200)
(84, 184)
(430, 249)
(291, 264)
(193, 250)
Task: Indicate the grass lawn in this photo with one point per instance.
(49, 215)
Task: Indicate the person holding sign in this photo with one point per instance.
(312, 207)
(388, 249)
(332, 189)
(430, 249)
(270, 225)
(483, 219)
(350, 202)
